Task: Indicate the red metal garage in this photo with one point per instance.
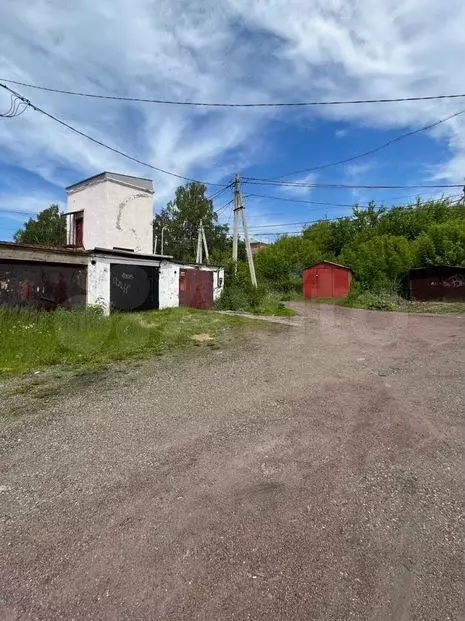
(326, 280)
(195, 288)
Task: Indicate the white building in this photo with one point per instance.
(111, 211)
(108, 260)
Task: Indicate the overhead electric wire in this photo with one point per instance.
(235, 105)
(342, 186)
(217, 194)
(106, 146)
(374, 150)
(333, 204)
(223, 207)
(264, 226)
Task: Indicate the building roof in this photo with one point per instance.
(437, 268)
(137, 182)
(12, 250)
(344, 267)
(128, 253)
(58, 249)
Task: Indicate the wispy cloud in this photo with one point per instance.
(205, 50)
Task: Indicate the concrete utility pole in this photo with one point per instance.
(204, 239)
(155, 244)
(239, 209)
(201, 245)
(198, 256)
(162, 238)
(237, 206)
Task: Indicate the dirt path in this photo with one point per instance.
(314, 472)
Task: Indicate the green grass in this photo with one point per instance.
(31, 340)
(392, 302)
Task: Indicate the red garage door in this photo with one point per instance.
(326, 280)
(195, 288)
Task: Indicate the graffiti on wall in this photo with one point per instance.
(46, 286)
(452, 282)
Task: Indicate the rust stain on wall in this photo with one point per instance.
(42, 285)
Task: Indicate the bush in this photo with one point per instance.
(380, 263)
(384, 301)
(441, 244)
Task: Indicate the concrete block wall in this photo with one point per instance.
(98, 280)
(168, 285)
(98, 284)
(116, 215)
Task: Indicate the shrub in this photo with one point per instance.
(441, 244)
(380, 263)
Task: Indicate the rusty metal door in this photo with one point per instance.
(195, 288)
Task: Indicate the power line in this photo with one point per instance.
(254, 234)
(17, 108)
(453, 200)
(217, 194)
(265, 226)
(235, 105)
(375, 149)
(332, 204)
(225, 206)
(257, 181)
(301, 200)
(103, 144)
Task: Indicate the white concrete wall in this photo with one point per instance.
(218, 283)
(115, 215)
(168, 292)
(98, 284)
(98, 280)
(89, 199)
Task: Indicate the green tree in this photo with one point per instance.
(48, 228)
(410, 222)
(441, 244)
(380, 262)
(281, 263)
(180, 223)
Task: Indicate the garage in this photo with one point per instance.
(437, 283)
(195, 288)
(133, 287)
(326, 280)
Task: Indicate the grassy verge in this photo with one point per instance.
(392, 302)
(241, 296)
(31, 340)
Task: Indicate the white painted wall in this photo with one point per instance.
(98, 284)
(218, 283)
(168, 293)
(98, 279)
(115, 215)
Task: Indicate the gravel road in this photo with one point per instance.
(306, 472)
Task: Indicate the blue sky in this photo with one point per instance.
(269, 50)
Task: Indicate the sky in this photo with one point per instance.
(233, 51)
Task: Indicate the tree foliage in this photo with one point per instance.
(280, 263)
(180, 221)
(48, 228)
(442, 244)
(379, 244)
(380, 262)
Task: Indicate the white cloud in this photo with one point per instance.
(233, 50)
(23, 206)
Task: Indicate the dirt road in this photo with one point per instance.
(313, 472)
